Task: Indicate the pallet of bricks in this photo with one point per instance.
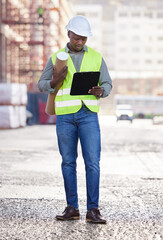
(13, 101)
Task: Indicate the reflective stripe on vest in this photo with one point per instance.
(76, 103)
(64, 102)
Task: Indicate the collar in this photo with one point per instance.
(67, 50)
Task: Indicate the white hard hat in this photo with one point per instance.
(80, 26)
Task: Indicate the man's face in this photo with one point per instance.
(76, 42)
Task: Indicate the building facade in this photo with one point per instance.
(135, 50)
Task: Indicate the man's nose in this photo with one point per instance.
(80, 41)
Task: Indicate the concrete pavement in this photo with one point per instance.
(131, 193)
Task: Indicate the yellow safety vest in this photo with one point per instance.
(66, 103)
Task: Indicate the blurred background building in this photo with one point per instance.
(136, 48)
(30, 31)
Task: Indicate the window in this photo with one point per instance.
(160, 26)
(136, 26)
(150, 38)
(81, 13)
(122, 49)
(160, 61)
(122, 26)
(123, 14)
(135, 14)
(160, 15)
(122, 38)
(135, 61)
(136, 38)
(160, 50)
(136, 49)
(148, 61)
(148, 14)
(94, 14)
(148, 50)
(122, 61)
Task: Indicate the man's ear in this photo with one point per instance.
(68, 34)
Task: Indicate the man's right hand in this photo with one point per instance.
(58, 76)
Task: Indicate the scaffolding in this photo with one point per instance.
(30, 31)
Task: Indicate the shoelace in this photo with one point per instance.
(97, 211)
(67, 208)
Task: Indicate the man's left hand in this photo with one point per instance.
(96, 91)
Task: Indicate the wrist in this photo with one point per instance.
(101, 94)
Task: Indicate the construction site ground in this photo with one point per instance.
(131, 186)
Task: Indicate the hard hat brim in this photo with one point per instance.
(83, 34)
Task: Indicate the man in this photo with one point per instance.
(77, 118)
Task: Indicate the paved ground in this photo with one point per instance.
(131, 193)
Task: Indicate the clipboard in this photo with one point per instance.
(83, 81)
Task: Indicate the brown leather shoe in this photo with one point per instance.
(70, 213)
(94, 216)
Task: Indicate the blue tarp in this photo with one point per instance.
(36, 105)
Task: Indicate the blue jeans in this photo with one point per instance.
(81, 125)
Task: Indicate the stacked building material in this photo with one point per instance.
(30, 31)
(13, 101)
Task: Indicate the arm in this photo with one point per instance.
(46, 77)
(50, 78)
(105, 83)
(105, 79)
